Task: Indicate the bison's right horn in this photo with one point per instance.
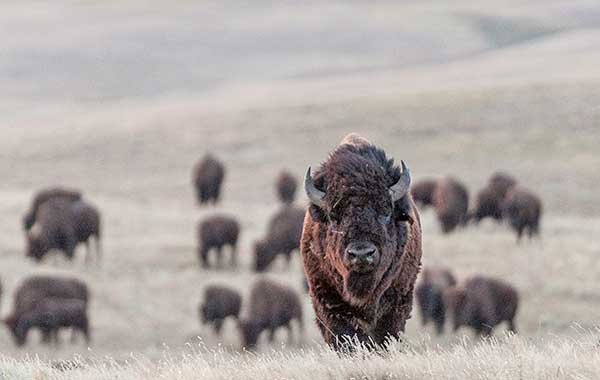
(400, 188)
(316, 196)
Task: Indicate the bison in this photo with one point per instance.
(50, 315)
(45, 195)
(451, 203)
(361, 245)
(283, 237)
(219, 303)
(488, 201)
(62, 224)
(482, 303)
(271, 306)
(216, 232)
(207, 178)
(422, 192)
(430, 295)
(523, 210)
(286, 187)
(34, 290)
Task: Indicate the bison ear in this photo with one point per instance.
(317, 213)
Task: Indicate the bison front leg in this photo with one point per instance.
(341, 335)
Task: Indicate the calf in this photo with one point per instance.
(219, 303)
(216, 232)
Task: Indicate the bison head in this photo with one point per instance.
(16, 329)
(36, 247)
(250, 331)
(359, 198)
(263, 255)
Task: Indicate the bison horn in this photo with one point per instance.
(316, 196)
(400, 188)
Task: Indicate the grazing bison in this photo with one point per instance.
(482, 303)
(216, 232)
(361, 244)
(50, 315)
(207, 178)
(283, 237)
(286, 187)
(219, 303)
(523, 209)
(45, 195)
(87, 223)
(34, 290)
(451, 203)
(270, 306)
(488, 201)
(430, 295)
(422, 192)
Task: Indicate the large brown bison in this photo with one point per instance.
(451, 203)
(482, 303)
(285, 187)
(35, 289)
(207, 178)
(283, 237)
(217, 232)
(430, 291)
(488, 201)
(219, 303)
(50, 315)
(44, 195)
(361, 244)
(61, 224)
(523, 210)
(270, 306)
(422, 192)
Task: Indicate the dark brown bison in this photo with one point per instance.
(430, 295)
(482, 303)
(270, 307)
(283, 237)
(45, 195)
(216, 232)
(50, 315)
(61, 224)
(34, 290)
(219, 303)
(451, 203)
(488, 201)
(422, 192)
(207, 178)
(361, 244)
(523, 210)
(285, 187)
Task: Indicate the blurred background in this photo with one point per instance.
(121, 99)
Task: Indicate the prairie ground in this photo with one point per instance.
(124, 107)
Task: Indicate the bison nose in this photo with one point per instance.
(362, 253)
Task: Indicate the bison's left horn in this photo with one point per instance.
(400, 188)
(316, 196)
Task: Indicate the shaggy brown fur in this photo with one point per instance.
(488, 201)
(422, 192)
(219, 303)
(283, 237)
(451, 202)
(482, 303)
(207, 178)
(370, 304)
(45, 195)
(430, 295)
(286, 187)
(86, 219)
(216, 232)
(36, 289)
(50, 315)
(523, 210)
(271, 306)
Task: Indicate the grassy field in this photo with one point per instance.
(518, 91)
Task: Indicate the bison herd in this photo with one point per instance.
(359, 241)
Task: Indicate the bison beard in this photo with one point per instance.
(361, 245)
